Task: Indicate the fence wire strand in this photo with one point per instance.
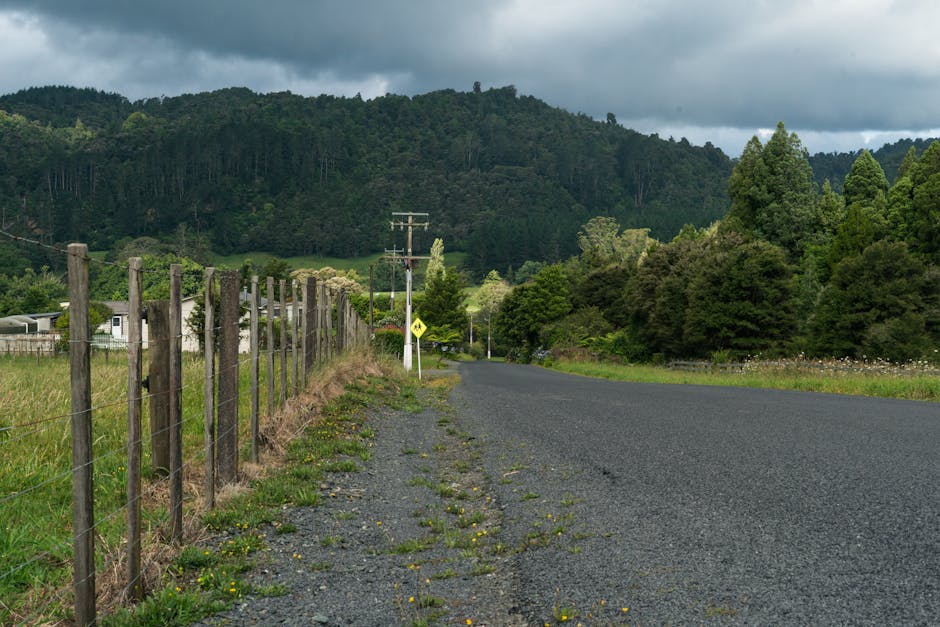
(193, 455)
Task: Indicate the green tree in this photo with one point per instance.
(748, 187)
(772, 192)
(605, 288)
(31, 292)
(740, 299)
(657, 298)
(442, 305)
(831, 210)
(530, 306)
(858, 231)
(490, 298)
(436, 262)
(866, 182)
(880, 303)
(914, 204)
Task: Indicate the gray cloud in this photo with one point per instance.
(838, 72)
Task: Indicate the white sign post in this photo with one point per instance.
(418, 328)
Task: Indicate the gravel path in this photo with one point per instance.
(409, 539)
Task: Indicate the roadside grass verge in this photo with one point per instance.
(912, 382)
(35, 511)
(311, 440)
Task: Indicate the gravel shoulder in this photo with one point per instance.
(411, 538)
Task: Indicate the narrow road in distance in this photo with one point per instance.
(648, 503)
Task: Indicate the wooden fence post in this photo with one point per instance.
(270, 346)
(340, 322)
(158, 314)
(176, 404)
(293, 336)
(227, 438)
(319, 351)
(255, 358)
(209, 388)
(328, 327)
(304, 330)
(282, 318)
(135, 586)
(310, 323)
(83, 496)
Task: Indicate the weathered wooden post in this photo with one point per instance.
(293, 336)
(158, 376)
(227, 439)
(340, 321)
(209, 387)
(135, 587)
(306, 294)
(328, 327)
(318, 319)
(270, 340)
(176, 404)
(282, 317)
(255, 358)
(310, 321)
(83, 495)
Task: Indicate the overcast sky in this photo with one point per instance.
(844, 74)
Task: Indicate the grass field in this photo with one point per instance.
(916, 382)
(35, 480)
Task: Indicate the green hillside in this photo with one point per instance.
(505, 177)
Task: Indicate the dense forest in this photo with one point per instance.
(625, 245)
(505, 177)
(793, 268)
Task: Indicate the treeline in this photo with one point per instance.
(505, 177)
(791, 268)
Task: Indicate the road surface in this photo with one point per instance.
(691, 504)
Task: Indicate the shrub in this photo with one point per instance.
(389, 341)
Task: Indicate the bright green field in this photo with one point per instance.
(915, 386)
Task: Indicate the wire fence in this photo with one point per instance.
(91, 443)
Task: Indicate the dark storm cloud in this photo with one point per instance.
(824, 67)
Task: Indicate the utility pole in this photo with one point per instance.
(371, 298)
(409, 264)
(394, 258)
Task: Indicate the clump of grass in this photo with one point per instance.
(414, 545)
(482, 568)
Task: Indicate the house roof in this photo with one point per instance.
(16, 324)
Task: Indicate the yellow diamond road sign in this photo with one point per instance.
(418, 328)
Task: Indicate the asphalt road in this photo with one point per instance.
(650, 503)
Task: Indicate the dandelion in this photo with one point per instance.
(411, 599)
(469, 622)
(625, 609)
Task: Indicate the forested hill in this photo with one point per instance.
(505, 177)
(834, 166)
